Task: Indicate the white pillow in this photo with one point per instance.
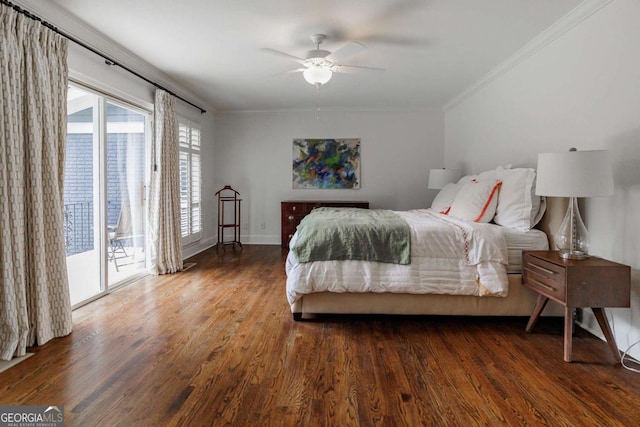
(490, 175)
(445, 198)
(541, 210)
(518, 206)
(486, 176)
(467, 178)
(476, 201)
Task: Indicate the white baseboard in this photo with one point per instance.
(261, 239)
(6, 364)
(198, 247)
(203, 245)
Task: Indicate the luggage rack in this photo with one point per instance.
(227, 195)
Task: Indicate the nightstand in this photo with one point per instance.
(593, 282)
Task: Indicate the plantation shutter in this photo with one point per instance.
(190, 182)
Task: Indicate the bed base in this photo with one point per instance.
(519, 302)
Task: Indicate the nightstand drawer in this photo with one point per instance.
(544, 277)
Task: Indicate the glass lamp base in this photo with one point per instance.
(573, 254)
(572, 238)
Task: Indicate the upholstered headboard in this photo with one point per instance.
(553, 216)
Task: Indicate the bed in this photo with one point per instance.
(491, 217)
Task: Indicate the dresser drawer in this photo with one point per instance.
(287, 234)
(293, 219)
(295, 208)
(544, 277)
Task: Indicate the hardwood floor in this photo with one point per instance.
(216, 345)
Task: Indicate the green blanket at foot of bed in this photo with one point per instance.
(353, 234)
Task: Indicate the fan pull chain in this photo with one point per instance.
(318, 101)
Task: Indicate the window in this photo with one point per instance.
(190, 185)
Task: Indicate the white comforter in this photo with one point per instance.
(448, 256)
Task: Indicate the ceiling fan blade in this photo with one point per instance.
(395, 10)
(383, 25)
(297, 70)
(396, 40)
(388, 18)
(284, 54)
(349, 69)
(286, 73)
(346, 51)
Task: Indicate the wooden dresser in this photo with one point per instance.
(293, 211)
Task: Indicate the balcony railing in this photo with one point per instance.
(78, 227)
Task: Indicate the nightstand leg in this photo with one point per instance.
(541, 303)
(568, 332)
(601, 317)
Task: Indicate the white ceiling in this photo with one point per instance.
(431, 49)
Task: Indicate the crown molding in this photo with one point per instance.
(77, 28)
(581, 12)
(311, 110)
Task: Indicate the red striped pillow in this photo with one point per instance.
(444, 199)
(476, 201)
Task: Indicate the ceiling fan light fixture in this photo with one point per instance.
(319, 64)
(316, 75)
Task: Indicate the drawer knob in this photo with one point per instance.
(290, 236)
(293, 208)
(291, 217)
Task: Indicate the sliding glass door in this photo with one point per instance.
(126, 172)
(83, 239)
(105, 175)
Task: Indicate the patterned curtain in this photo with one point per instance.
(34, 290)
(164, 197)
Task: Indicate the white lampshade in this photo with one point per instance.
(438, 178)
(574, 174)
(317, 75)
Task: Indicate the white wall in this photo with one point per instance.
(580, 90)
(254, 155)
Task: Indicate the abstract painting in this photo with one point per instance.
(326, 163)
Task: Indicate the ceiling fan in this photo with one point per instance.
(319, 64)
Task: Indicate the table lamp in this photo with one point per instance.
(574, 174)
(438, 178)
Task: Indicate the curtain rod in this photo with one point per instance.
(107, 60)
